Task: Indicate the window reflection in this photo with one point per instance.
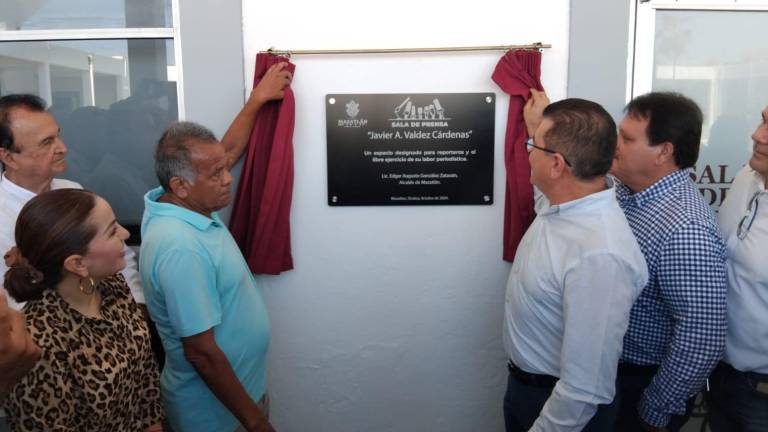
(84, 14)
(112, 99)
(717, 58)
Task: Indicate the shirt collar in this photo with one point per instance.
(588, 202)
(70, 320)
(660, 188)
(197, 220)
(758, 181)
(64, 317)
(14, 189)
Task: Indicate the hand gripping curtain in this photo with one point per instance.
(516, 73)
(261, 214)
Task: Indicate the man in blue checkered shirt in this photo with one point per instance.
(677, 326)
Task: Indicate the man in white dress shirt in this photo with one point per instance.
(32, 154)
(575, 276)
(738, 400)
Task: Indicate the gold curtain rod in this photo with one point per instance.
(536, 45)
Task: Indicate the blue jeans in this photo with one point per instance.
(734, 403)
(523, 403)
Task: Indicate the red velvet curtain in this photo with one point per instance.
(516, 73)
(260, 220)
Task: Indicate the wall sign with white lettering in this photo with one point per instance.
(410, 149)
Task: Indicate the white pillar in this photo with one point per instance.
(44, 82)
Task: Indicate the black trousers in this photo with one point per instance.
(523, 402)
(737, 402)
(630, 384)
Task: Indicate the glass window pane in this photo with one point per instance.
(84, 14)
(720, 60)
(112, 99)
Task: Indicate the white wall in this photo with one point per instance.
(212, 62)
(392, 319)
(212, 65)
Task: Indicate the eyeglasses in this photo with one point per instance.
(530, 146)
(749, 218)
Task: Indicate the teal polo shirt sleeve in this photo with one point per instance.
(191, 298)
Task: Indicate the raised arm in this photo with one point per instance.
(271, 87)
(534, 109)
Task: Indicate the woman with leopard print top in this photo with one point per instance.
(97, 372)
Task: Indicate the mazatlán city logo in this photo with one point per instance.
(353, 109)
(407, 114)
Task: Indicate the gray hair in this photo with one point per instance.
(173, 158)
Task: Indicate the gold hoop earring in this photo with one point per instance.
(90, 290)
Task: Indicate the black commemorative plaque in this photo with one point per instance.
(410, 149)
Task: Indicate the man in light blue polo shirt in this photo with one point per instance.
(199, 290)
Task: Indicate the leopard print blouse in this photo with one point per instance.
(95, 374)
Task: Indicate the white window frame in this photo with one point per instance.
(172, 33)
(643, 25)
